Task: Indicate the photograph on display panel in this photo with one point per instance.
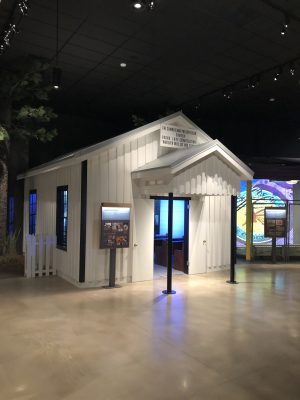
(115, 224)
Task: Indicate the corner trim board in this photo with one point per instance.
(83, 208)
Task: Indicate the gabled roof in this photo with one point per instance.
(80, 155)
(175, 162)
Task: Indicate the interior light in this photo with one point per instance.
(228, 93)
(292, 69)
(283, 31)
(271, 99)
(24, 6)
(286, 22)
(152, 5)
(123, 65)
(138, 5)
(56, 78)
(293, 182)
(277, 74)
(253, 82)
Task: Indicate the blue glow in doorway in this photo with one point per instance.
(178, 218)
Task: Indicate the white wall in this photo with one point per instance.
(109, 180)
(209, 239)
(66, 262)
(143, 240)
(210, 176)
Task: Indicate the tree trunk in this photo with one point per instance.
(5, 118)
(3, 203)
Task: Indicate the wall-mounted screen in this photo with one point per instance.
(115, 223)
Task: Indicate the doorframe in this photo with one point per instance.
(186, 225)
(186, 235)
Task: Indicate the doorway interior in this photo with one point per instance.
(180, 238)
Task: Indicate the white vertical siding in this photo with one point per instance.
(109, 180)
(66, 262)
(209, 177)
(209, 240)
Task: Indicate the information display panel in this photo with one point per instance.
(275, 222)
(115, 223)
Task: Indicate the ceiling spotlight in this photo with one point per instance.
(292, 69)
(138, 5)
(253, 82)
(227, 93)
(56, 78)
(152, 5)
(277, 74)
(123, 65)
(286, 22)
(283, 31)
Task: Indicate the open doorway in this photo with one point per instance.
(180, 237)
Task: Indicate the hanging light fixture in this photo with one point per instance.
(56, 71)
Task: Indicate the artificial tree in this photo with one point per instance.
(24, 115)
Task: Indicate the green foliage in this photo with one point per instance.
(3, 133)
(41, 114)
(26, 82)
(23, 94)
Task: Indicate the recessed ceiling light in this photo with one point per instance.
(271, 99)
(138, 5)
(283, 31)
(56, 78)
(123, 65)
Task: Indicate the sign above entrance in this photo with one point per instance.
(177, 137)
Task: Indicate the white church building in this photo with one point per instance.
(172, 155)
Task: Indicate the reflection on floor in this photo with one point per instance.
(210, 341)
(161, 272)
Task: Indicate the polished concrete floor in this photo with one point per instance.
(160, 271)
(209, 341)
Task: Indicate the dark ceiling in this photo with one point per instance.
(180, 56)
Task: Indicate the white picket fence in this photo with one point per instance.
(39, 252)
